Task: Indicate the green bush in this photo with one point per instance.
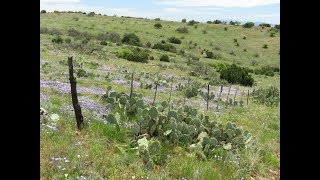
(132, 39)
(268, 96)
(104, 43)
(217, 22)
(113, 37)
(211, 55)
(164, 58)
(264, 25)
(192, 22)
(183, 20)
(158, 25)
(165, 47)
(91, 14)
(135, 54)
(43, 11)
(54, 31)
(174, 40)
(75, 33)
(57, 40)
(235, 74)
(151, 58)
(225, 28)
(157, 19)
(248, 25)
(265, 46)
(182, 29)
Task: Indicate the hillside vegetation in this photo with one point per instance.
(164, 131)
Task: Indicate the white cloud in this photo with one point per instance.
(219, 3)
(174, 10)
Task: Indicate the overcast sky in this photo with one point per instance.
(200, 10)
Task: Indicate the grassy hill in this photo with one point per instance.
(99, 150)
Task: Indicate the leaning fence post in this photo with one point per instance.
(131, 89)
(228, 96)
(208, 97)
(74, 96)
(155, 94)
(235, 94)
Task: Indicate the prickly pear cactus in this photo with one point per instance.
(153, 112)
(154, 147)
(112, 119)
(123, 100)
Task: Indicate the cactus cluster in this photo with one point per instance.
(183, 125)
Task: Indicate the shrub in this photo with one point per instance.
(217, 22)
(235, 40)
(182, 29)
(267, 96)
(132, 39)
(158, 25)
(157, 19)
(183, 20)
(225, 28)
(148, 44)
(265, 46)
(81, 73)
(104, 43)
(192, 22)
(232, 53)
(210, 54)
(114, 37)
(163, 41)
(54, 31)
(191, 92)
(277, 26)
(91, 14)
(136, 55)
(57, 40)
(264, 25)
(43, 11)
(174, 40)
(165, 47)
(244, 37)
(245, 50)
(256, 55)
(254, 62)
(75, 33)
(164, 58)
(151, 58)
(236, 74)
(204, 31)
(248, 25)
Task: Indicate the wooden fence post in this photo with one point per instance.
(208, 97)
(131, 89)
(74, 96)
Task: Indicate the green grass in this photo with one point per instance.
(105, 152)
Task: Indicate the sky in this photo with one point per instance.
(267, 11)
